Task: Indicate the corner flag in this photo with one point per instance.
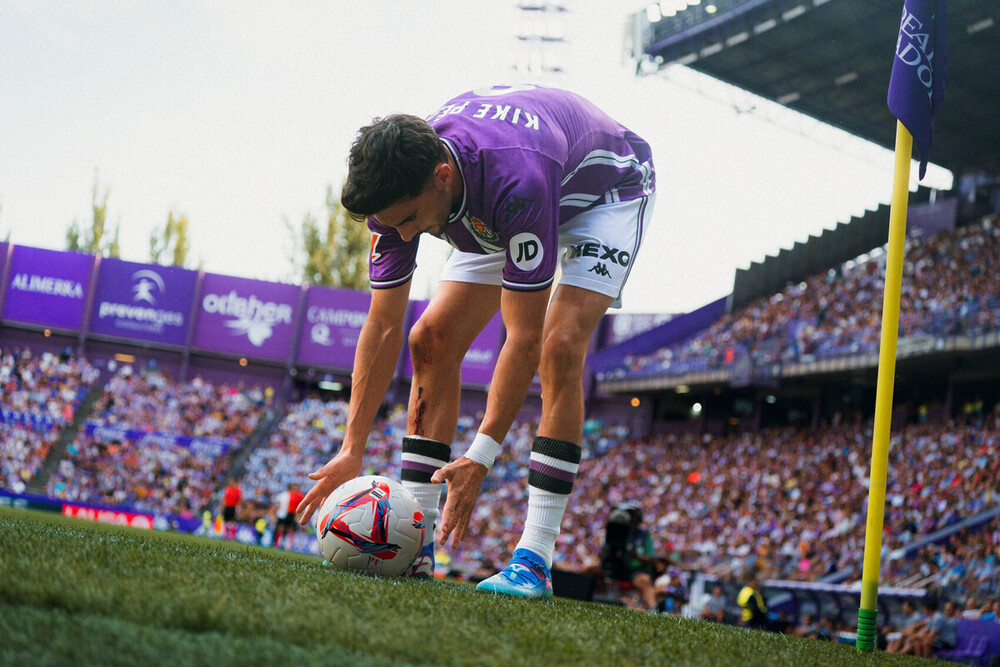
(916, 88)
(915, 94)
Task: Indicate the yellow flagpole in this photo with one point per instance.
(883, 391)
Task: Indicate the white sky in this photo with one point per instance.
(239, 114)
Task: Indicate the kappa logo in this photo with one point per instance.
(600, 269)
(515, 205)
(480, 229)
(599, 251)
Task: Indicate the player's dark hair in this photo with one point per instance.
(391, 159)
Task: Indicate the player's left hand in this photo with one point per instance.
(465, 479)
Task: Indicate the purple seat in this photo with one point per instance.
(970, 648)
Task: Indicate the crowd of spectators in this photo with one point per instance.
(39, 394)
(155, 445)
(785, 501)
(155, 474)
(312, 431)
(150, 401)
(788, 502)
(951, 286)
(308, 436)
(965, 567)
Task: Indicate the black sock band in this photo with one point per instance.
(421, 458)
(553, 465)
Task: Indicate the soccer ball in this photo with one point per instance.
(370, 525)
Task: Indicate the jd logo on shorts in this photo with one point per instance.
(526, 251)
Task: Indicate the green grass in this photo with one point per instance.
(83, 593)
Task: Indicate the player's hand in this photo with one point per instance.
(341, 468)
(465, 479)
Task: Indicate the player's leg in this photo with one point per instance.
(279, 533)
(555, 454)
(438, 343)
(644, 584)
(601, 245)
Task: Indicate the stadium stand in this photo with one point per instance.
(40, 394)
(311, 432)
(721, 505)
(150, 401)
(950, 288)
(153, 444)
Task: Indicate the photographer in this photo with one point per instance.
(628, 554)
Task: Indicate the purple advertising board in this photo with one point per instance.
(333, 321)
(629, 325)
(479, 361)
(250, 318)
(47, 287)
(143, 301)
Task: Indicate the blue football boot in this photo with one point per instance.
(526, 576)
(422, 566)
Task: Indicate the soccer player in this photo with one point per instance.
(287, 502)
(519, 180)
(232, 496)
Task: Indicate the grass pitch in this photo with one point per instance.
(74, 592)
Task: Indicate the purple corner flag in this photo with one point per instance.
(916, 88)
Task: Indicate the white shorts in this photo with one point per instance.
(597, 248)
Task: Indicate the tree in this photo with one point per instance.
(334, 254)
(93, 241)
(170, 242)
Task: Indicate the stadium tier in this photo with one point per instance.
(951, 290)
(156, 445)
(40, 394)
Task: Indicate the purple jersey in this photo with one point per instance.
(530, 159)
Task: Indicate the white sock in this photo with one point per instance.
(420, 459)
(429, 497)
(541, 528)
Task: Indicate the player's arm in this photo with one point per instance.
(375, 360)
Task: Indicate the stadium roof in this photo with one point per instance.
(831, 60)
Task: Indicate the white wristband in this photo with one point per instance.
(483, 450)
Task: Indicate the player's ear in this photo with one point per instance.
(443, 174)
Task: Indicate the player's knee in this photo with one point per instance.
(429, 344)
(562, 355)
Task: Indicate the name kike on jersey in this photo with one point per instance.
(504, 113)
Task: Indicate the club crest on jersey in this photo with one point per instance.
(480, 229)
(374, 255)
